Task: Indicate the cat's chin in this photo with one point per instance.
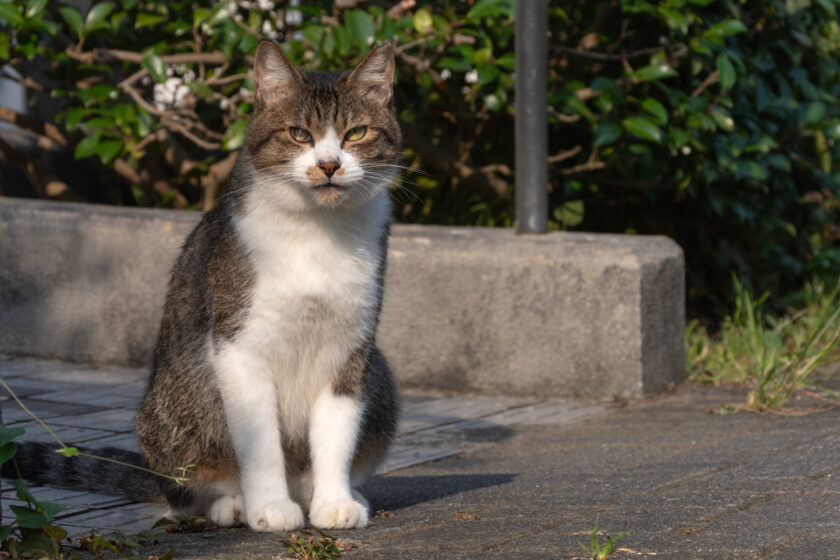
(330, 195)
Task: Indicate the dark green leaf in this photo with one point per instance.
(74, 20)
(108, 151)
(454, 64)
(28, 518)
(4, 45)
(653, 72)
(361, 28)
(726, 27)
(235, 135)
(496, 8)
(722, 118)
(99, 92)
(726, 71)
(5, 531)
(49, 509)
(8, 434)
(7, 451)
(814, 112)
(35, 7)
(656, 109)
(201, 89)
(343, 41)
(87, 147)
(606, 133)
(97, 14)
(11, 13)
(643, 127)
(146, 20)
(154, 64)
(23, 492)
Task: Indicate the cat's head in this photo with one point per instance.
(323, 139)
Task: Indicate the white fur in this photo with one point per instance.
(333, 432)
(313, 304)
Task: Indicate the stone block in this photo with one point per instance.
(466, 309)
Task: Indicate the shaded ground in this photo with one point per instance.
(529, 484)
(686, 483)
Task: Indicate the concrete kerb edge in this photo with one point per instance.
(466, 309)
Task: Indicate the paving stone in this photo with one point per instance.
(123, 441)
(117, 420)
(14, 414)
(68, 434)
(92, 396)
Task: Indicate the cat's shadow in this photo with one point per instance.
(395, 492)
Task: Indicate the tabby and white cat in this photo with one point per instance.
(266, 376)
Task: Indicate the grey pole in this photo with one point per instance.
(531, 116)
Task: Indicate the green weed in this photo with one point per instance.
(773, 357)
(307, 546)
(598, 551)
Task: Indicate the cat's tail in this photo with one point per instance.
(39, 463)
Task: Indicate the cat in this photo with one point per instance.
(267, 386)
(266, 376)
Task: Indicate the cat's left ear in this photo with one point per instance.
(375, 74)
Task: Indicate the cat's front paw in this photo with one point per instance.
(278, 515)
(340, 514)
(227, 510)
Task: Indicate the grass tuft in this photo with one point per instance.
(774, 357)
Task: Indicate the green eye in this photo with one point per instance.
(355, 133)
(299, 135)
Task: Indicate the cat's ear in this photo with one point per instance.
(274, 75)
(374, 75)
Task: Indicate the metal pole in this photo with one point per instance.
(531, 116)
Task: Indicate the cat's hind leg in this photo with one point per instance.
(227, 507)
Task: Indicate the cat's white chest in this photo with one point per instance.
(314, 302)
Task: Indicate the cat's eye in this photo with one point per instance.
(299, 135)
(356, 133)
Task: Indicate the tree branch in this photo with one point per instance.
(109, 55)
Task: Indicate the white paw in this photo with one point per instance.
(341, 514)
(227, 511)
(279, 515)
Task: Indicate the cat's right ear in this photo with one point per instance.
(275, 76)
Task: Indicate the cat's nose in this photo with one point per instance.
(329, 167)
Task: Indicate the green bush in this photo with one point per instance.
(713, 122)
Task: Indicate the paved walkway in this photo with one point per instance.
(517, 478)
(95, 407)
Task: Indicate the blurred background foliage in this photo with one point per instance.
(713, 122)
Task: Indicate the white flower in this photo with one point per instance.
(223, 104)
(266, 27)
(471, 77)
(445, 74)
(170, 93)
(685, 150)
(265, 5)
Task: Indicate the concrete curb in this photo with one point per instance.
(478, 309)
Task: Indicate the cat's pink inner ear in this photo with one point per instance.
(274, 75)
(375, 74)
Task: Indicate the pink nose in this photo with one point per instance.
(329, 167)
